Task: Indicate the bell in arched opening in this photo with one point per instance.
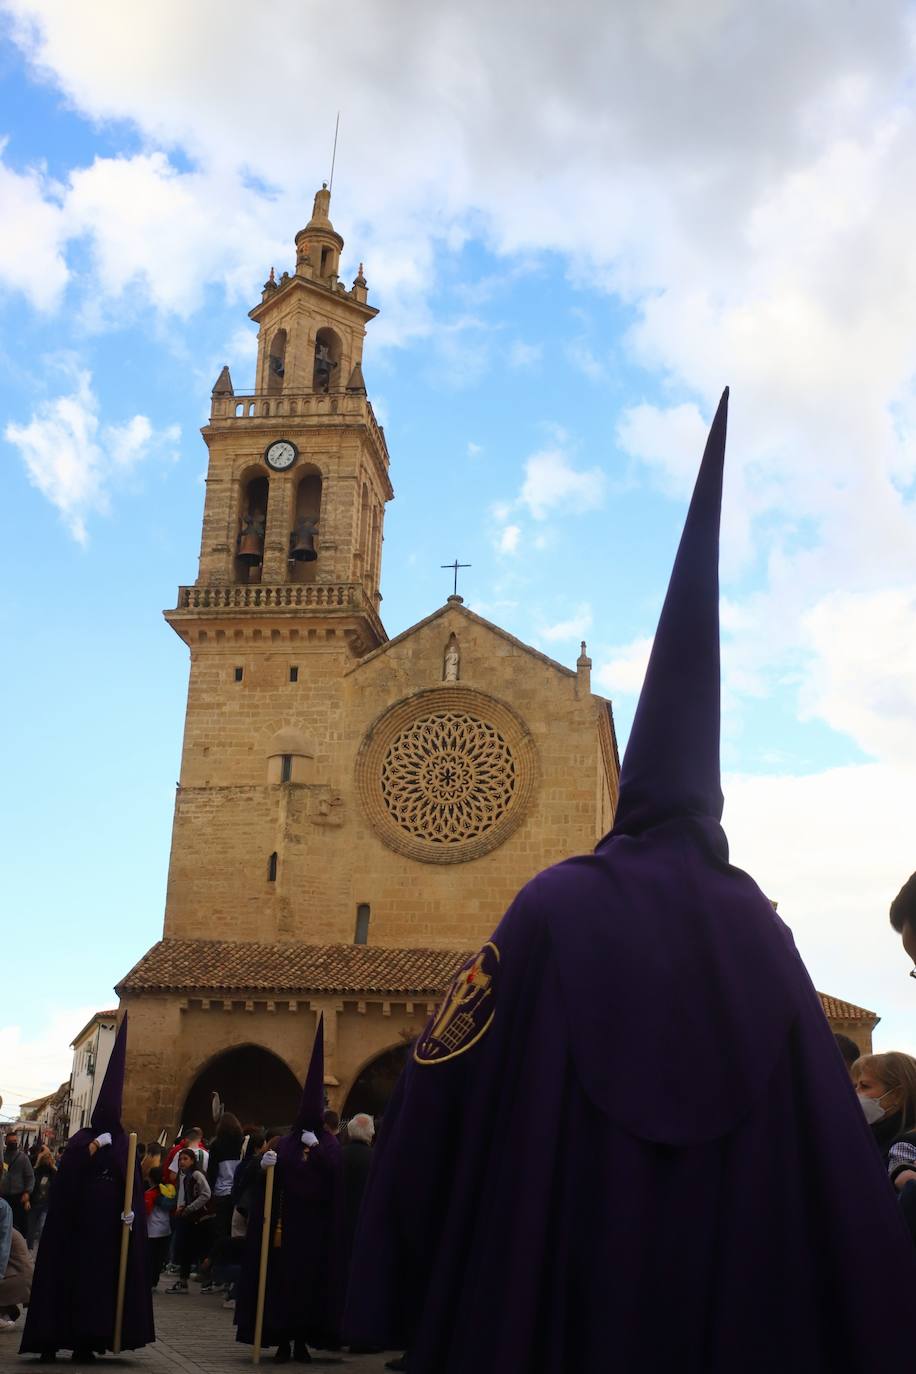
(253, 523)
(276, 362)
(306, 523)
(302, 540)
(327, 359)
(251, 538)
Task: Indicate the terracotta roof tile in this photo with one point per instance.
(835, 1009)
(239, 966)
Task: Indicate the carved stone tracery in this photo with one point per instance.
(448, 777)
(446, 774)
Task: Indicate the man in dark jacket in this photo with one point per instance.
(17, 1182)
(357, 1157)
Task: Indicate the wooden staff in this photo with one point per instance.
(262, 1271)
(125, 1240)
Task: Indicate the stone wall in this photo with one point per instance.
(330, 856)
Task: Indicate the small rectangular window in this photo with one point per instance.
(272, 868)
(294, 674)
(286, 767)
(238, 674)
(362, 924)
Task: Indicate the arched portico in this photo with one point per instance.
(373, 1085)
(253, 1082)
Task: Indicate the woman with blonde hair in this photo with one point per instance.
(886, 1084)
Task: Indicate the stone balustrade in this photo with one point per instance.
(261, 597)
(331, 405)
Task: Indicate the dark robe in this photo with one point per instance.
(627, 1142)
(305, 1277)
(357, 1160)
(74, 1290)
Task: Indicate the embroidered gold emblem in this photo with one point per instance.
(466, 1013)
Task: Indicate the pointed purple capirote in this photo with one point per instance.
(72, 1304)
(106, 1115)
(310, 1116)
(305, 1279)
(671, 763)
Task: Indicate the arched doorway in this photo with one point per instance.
(252, 1082)
(374, 1086)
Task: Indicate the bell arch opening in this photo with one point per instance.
(374, 1084)
(254, 1083)
(326, 376)
(254, 493)
(276, 363)
(303, 538)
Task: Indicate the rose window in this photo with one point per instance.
(448, 778)
(446, 774)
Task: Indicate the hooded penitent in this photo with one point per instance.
(72, 1306)
(304, 1273)
(626, 1141)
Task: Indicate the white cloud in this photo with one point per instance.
(75, 461)
(834, 848)
(584, 360)
(31, 237)
(552, 485)
(863, 678)
(474, 450)
(243, 348)
(524, 355)
(669, 440)
(153, 228)
(623, 671)
(575, 626)
(35, 1062)
(508, 539)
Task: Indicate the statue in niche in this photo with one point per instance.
(452, 659)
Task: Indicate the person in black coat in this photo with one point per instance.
(357, 1157)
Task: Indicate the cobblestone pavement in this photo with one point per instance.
(195, 1335)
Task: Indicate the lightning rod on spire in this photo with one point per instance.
(334, 153)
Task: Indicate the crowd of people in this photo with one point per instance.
(200, 1195)
(198, 1209)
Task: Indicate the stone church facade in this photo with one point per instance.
(354, 813)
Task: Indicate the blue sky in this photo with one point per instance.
(573, 246)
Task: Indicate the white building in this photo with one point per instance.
(91, 1052)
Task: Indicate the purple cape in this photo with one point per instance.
(617, 1176)
(304, 1295)
(626, 1140)
(76, 1270)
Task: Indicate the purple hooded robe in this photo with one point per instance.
(627, 1141)
(304, 1296)
(74, 1290)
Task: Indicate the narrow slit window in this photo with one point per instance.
(272, 868)
(239, 674)
(362, 924)
(294, 674)
(286, 767)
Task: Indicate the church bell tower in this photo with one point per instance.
(298, 471)
(286, 601)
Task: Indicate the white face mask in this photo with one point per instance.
(872, 1108)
